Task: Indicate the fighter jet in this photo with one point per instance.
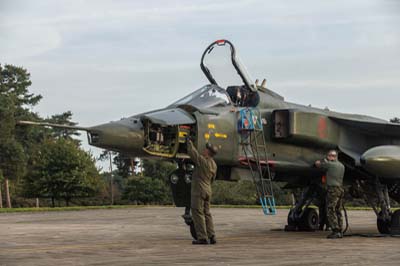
(263, 138)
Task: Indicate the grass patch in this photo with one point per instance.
(75, 208)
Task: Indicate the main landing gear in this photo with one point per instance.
(301, 217)
(377, 196)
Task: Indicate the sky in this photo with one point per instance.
(105, 60)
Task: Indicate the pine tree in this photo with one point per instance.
(15, 101)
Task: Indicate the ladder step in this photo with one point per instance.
(268, 206)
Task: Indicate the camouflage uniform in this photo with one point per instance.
(203, 174)
(334, 181)
(334, 203)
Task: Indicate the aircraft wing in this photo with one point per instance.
(375, 127)
(45, 124)
(380, 158)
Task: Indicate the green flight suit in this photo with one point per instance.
(335, 192)
(203, 174)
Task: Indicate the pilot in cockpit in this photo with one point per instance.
(253, 99)
(241, 96)
(237, 95)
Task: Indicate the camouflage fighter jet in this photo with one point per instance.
(291, 137)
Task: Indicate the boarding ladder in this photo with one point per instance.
(252, 141)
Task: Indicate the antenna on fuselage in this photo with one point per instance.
(264, 84)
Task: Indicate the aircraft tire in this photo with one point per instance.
(383, 225)
(310, 220)
(290, 220)
(395, 223)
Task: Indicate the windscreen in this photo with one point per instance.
(206, 97)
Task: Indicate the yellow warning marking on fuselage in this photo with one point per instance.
(221, 135)
(206, 136)
(211, 126)
(182, 134)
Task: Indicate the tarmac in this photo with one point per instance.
(158, 236)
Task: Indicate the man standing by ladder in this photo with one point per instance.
(204, 172)
(334, 180)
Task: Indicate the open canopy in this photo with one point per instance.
(237, 64)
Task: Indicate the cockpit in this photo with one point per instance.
(242, 97)
(165, 130)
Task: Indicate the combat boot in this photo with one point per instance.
(213, 240)
(334, 235)
(200, 242)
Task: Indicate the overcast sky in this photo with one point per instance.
(104, 60)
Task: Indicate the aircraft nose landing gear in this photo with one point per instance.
(189, 221)
(180, 181)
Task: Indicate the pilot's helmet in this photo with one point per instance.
(212, 148)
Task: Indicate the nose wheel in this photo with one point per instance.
(189, 221)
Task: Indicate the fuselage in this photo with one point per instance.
(295, 135)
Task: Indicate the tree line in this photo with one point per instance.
(39, 162)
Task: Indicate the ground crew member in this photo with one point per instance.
(323, 221)
(335, 192)
(204, 173)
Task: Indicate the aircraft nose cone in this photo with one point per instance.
(125, 135)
